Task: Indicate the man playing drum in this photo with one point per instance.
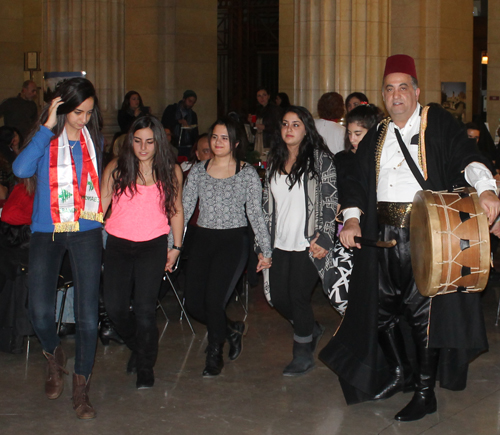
(368, 352)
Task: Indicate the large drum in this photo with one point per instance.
(450, 242)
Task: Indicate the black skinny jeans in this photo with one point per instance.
(216, 262)
(136, 267)
(292, 279)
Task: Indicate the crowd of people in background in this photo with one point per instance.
(158, 176)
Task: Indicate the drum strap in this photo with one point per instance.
(411, 163)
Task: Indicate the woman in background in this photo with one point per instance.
(354, 100)
(282, 100)
(10, 141)
(132, 108)
(330, 111)
(267, 118)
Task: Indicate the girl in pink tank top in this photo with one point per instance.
(143, 187)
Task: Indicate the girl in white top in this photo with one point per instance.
(300, 200)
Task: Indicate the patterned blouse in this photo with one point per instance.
(226, 203)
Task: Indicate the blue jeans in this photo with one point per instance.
(46, 254)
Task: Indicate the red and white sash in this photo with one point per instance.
(68, 201)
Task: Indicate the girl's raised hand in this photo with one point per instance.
(52, 119)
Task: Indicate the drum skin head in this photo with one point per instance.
(425, 244)
(450, 243)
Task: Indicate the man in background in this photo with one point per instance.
(182, 120)
(21, 112)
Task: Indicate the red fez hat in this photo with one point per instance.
(400, 63)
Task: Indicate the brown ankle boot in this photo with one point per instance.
(81, 402)
(54, 384)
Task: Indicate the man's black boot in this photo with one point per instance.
(424, 400)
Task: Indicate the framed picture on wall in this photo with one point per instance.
(32, 61)
(453, 98)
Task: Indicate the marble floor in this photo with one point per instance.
(251, 396)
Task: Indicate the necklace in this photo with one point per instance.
(75, 142)
(144, 175)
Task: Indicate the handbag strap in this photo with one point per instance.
(424, 184)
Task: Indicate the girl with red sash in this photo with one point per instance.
(62, 163)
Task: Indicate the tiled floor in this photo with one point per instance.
(251, 396)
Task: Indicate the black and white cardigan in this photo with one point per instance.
(320, 199)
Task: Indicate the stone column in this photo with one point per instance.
(11, 54)
(338, 45)
(171, 46)
(88, 35)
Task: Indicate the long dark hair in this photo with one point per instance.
(163, 166)
(285, 101)
(305, 159)
(366, 115)
(236, 134)
(73, 92)
(126, 100)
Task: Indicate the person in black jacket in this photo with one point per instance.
(182, 120)
(266, 122)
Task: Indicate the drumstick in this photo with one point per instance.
(375, 243)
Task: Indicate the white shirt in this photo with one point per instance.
(333, 134)
(290, 214)
(396, 182)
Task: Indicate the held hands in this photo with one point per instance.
(171, 259)
(260, 127)
(52, 119)
(316, 250)
(351, 229)
(264, 263)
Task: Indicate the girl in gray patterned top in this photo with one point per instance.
(300, 202)
(225, 188)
